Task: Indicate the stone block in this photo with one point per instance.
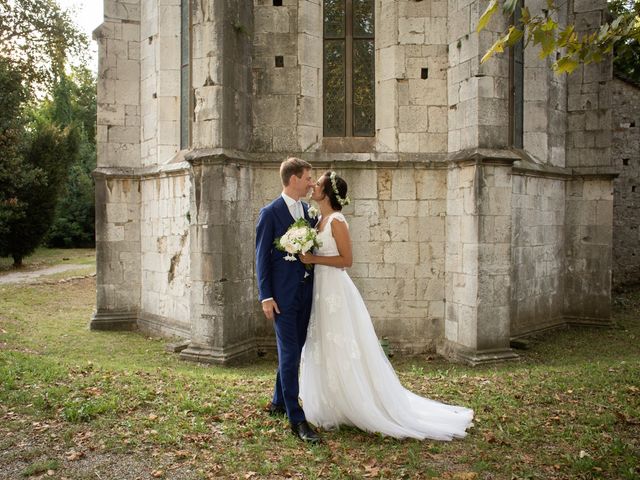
(276, 110)
(413, 119)
(363, 185)
(401, 252)
(368, 252)
(386, 99)
(308, 137)
(403, 186)
(309, 50)
(468, 326)
(387, 30)
(438, 119)
(120, 134)
(432, 91)
(390, 63)
(411, 30)
(409, 142)
(435, 31)
(433, 142)
(310, 81)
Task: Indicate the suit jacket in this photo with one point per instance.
(277, 277)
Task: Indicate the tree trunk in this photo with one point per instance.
(17, 261)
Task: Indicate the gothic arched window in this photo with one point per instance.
(349, 68)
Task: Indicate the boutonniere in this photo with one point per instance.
(312, 212)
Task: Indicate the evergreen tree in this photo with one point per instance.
(73, 105)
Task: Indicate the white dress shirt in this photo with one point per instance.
(295, 208)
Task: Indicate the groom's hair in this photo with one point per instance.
(292, 166)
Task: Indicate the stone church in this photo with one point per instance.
(482, 192)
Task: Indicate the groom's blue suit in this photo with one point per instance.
(286, 283)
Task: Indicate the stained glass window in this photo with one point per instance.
(349, 68)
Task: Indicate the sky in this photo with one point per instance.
(88, 15)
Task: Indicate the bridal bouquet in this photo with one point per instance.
(300, 238)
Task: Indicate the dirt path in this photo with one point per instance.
(29, 276)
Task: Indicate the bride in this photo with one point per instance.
(346, 378)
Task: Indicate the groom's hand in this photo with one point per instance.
(270, 308)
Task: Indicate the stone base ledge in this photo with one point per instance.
(163, 326)
(588, 322)
(102, 320)
(462, 354)
(219, 355)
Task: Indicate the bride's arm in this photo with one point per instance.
(340, 233)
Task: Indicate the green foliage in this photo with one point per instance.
(16, 178)
(74, 104)
(622, 33)
(49, 153)
(626, 61)
(38, 36)
(36, 150)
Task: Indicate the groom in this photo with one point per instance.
(285, 291)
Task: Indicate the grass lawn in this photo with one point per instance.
(47, 257)
(77, 404)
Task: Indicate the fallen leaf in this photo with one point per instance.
(465, 476)
(72, 455)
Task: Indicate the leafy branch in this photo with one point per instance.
(543, 30)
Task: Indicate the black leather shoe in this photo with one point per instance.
(277, 410)
(304, 432)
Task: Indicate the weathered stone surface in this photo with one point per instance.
(454, 248)
(625, 125)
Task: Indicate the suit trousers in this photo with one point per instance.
(291, 331)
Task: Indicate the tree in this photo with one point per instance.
(49, 152)
(14, 177)
(73, 104)
(37, 37)
(626, 59)
(576, 47)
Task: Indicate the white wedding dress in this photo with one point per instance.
(345, 376)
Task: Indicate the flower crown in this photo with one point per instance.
(334, 185)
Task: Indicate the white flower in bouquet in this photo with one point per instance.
(299, 239)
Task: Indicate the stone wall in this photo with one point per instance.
(164, 241)
(118, 110)
(545, 101)
(478, 261)
(626, 203)
(459, 241)
(588, 232)
(422, 105)
(276, 90)
(159, 81)
(397, 224)
(537, 239)
(117, 252)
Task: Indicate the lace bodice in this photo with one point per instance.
(329, 247)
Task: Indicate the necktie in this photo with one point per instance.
(298, 210)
